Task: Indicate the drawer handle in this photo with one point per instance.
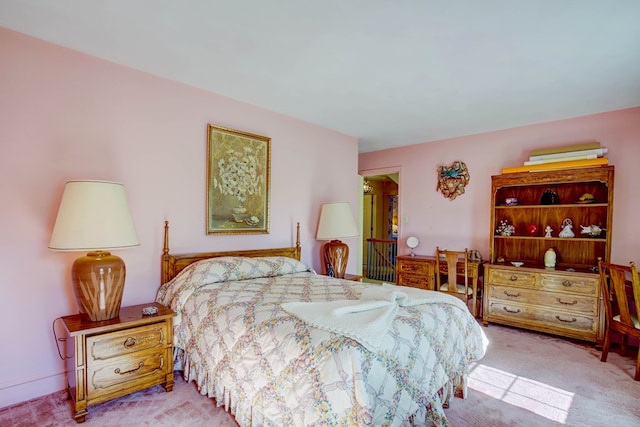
(575, 301)
(130, 342)
(516, 295)
(511, 311)
(513, 278)
(130, 371)
(573, 319)
(566, 283)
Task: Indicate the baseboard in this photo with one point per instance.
(30, 388)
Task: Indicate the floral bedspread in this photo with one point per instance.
(269, 368)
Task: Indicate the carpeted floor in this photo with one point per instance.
(535, 379)
(525, 379)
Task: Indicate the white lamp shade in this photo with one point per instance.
(336, 222)
(93, 215)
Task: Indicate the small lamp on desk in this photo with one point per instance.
(336, 222)
(94, 216)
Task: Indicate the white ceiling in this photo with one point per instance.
(387, 72)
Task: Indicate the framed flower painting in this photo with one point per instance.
(238, 179)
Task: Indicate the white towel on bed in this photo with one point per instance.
(367, 319)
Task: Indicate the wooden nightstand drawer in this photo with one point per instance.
(127, 341)
(125, 372)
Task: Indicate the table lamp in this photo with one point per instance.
(94, 216)
(336, 222)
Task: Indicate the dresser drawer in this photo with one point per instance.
(105, 346)
(573, 284)
(512, 277)
(414, 267)
(535, 317)
(421, 282)
(580, 303)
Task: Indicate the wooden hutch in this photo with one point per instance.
(564, 300)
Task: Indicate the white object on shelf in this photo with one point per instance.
(550, 258)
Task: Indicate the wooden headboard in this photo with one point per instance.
(172, 264)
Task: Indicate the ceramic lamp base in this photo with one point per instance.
(336, 253)
(98, 282)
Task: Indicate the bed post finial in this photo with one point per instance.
(298, 248)
(164, 265)
(165, 250)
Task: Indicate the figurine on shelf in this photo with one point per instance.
(592, 230)
(566, 231)
(547, 231)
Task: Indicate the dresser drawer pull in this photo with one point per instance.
(566, 283)
(130, 342)
(511, 311)
(575, 301)
(573, 319)
(516, 295)
(130, 371)
(513, 278)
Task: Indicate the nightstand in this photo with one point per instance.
(353, 277)
(116, 357)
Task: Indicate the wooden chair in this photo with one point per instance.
(613, 281)
(460, 281)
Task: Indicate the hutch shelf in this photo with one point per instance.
(564, 300)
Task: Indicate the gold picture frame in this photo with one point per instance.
(238, 181)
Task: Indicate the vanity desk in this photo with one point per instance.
(419, 271)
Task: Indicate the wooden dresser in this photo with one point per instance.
(564, 300)
(112, 358)
(547, 300)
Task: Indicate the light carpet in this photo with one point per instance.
(525, 378)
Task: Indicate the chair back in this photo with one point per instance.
(615, 281)
(451, 260)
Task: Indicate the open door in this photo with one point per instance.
(379, 226)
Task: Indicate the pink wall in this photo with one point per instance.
(65, 115)
(464, 222)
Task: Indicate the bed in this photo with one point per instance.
(254, 331)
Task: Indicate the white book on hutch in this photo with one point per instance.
(598, 152)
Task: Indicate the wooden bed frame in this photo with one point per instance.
(172, 264)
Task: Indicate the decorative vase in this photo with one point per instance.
(549, 197)
(239, 213)
(532, 230)
(550, 258)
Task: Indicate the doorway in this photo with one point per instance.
(380, 226)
